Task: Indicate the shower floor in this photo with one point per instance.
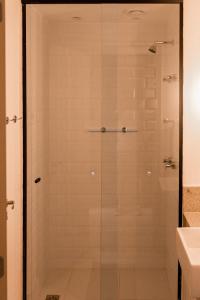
(121, 284)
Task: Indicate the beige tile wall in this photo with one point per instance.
(75, 154)
(170, 147)
(113, 216)
(105, 198)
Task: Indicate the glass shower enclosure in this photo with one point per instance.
(102, 151)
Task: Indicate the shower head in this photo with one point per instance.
(153, 47)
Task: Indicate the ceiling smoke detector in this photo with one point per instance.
(135, 14)
(76, 18)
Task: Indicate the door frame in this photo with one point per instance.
(24, 68)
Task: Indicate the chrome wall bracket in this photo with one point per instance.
(170, 77)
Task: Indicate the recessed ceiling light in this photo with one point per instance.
(76, 18)
(135, 13)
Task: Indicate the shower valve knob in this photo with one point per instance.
(169, 163)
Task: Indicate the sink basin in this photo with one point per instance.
(188, 250)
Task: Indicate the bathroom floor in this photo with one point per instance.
(123, 284)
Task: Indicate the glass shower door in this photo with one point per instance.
(140, 111)
(102, 126)
(63, 107)
(119, 156)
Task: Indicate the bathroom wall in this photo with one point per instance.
(14, 147)
(191, 146)
(130, 188)
(74, 154)
(3, 279)
(89, 69)
(169, 124)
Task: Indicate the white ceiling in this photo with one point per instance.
(153, 13)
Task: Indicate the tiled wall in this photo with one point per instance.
(105, 198)
(74, 154)
(104, 194)
(170, 146)
(130, 196)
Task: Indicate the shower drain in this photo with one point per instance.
(52, 297)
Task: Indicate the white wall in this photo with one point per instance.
(14, 150)
(191, 147)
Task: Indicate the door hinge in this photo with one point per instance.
(1, 266)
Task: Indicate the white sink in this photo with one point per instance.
(188, 250)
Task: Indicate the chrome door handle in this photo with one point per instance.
(11, 203)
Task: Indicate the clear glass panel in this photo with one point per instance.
(102, 219)
(140, 91)
(64, 103)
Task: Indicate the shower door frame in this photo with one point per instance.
(24, 100)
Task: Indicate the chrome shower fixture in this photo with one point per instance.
(153, 47)
(170, 77)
